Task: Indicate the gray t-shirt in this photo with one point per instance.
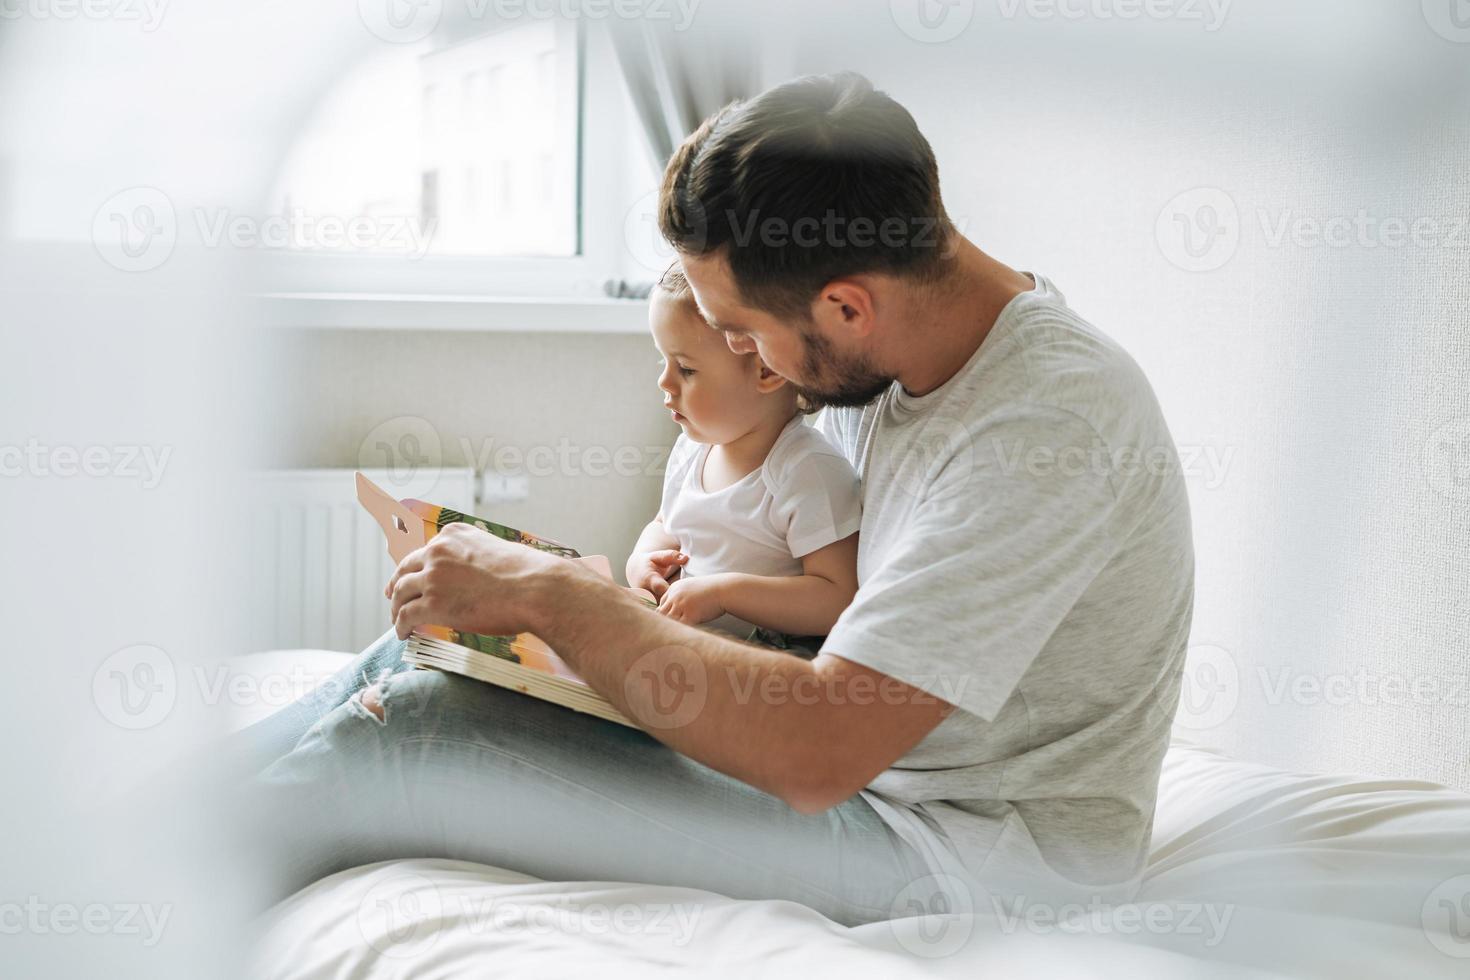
(1025, 555)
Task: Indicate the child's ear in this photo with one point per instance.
(766, 380)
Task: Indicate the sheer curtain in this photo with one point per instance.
(678, 77)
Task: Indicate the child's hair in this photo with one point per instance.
(674, 283)
(676, 286)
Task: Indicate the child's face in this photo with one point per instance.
(711, 391)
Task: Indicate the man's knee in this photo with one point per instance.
(372, 699)
(401, 698)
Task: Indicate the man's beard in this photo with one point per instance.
(843, 384)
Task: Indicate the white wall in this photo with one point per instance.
(1333, 539)
(568, 404)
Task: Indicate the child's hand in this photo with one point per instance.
(693, 600)
(653, 570)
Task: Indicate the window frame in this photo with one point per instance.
(604, 127)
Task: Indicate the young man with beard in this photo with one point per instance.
(991, 711)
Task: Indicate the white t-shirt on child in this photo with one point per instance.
(802, 498)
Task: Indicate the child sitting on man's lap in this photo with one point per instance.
(758, 523)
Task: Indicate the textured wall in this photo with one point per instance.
(1318, 391)
(1321, 390)
(573, 395)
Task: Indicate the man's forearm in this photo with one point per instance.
(735, 707)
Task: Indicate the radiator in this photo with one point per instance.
(319, 562)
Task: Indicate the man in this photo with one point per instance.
(992, 710)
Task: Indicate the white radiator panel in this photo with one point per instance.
(319, 562)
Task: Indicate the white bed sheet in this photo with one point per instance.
(1253, 872)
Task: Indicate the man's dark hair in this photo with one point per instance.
(814, 179)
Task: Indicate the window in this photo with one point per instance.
(447, 150)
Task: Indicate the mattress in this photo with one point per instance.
(1253, 872)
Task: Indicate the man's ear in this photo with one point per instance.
(846, 306)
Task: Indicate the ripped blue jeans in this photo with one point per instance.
(461, 769)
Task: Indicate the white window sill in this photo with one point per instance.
(521, 314)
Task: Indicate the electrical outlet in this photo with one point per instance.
(502, 488)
